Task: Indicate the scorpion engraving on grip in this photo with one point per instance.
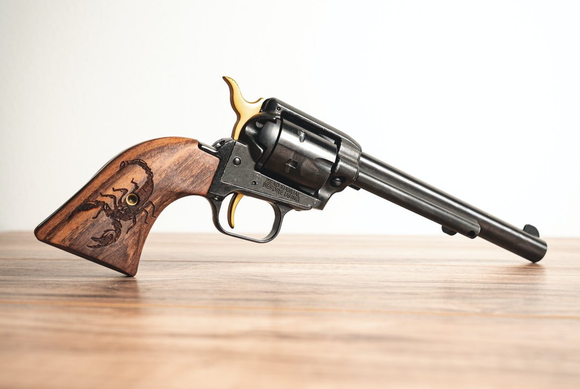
(126, 207)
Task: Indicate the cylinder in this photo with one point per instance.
(451, 213)
(301, 158)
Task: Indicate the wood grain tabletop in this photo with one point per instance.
(208, 311)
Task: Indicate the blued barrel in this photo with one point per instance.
(453, 214)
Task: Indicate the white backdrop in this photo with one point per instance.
(480, 99)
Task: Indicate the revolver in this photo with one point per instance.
(277, 154)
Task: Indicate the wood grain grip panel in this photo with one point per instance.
(108, 220)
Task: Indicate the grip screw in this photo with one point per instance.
(132, 199)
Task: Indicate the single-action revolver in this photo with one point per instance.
(277, 154)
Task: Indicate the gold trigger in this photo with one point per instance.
(232, 208)
(244, 109)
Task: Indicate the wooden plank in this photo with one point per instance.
(208, 311)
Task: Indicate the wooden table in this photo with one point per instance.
(207, 311)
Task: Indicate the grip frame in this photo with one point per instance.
(108, 220)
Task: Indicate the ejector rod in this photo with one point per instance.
(451, 213)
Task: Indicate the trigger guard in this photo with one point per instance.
(280, 210)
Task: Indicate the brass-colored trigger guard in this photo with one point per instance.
(244, 109)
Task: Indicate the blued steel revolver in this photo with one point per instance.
(277, 154)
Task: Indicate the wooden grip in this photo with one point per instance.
(108, 220)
